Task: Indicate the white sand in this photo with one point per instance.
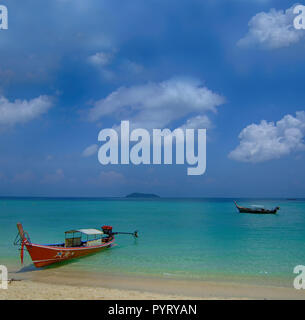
(51, 287)
(31, 290)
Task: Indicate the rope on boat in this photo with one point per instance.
(21, 242)
(18, 240)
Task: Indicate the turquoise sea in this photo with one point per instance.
(202, 239)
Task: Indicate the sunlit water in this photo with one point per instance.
(202, 239)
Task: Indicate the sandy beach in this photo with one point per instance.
(60, 285)
(30, 290)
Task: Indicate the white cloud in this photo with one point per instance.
(55, 177)
(112, 67)
(272, 30)
(49, 157)
(23, 177)
(101, 58)
(90, 151)
(197, 123)
(269, 140)
(107, 178)
(111, 177)
(157, 105)
(131, 67)
(20, 111)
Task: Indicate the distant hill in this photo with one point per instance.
(142, 195)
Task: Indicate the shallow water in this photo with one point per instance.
(202, 239)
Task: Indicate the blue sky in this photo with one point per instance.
(64, 62)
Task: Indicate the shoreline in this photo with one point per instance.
(58, 284)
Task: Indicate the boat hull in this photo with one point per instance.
(256, 212)
(44, 255)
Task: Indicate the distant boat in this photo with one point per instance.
(78, 243)
(257, 210)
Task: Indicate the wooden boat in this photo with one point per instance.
(256, 211)
(78, 243)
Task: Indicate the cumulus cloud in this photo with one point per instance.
(157, 105)
(21, 111)
(197, 123)
(113, 67)
(101, 58)
(90, 151)
(269, 140)
(272, 30)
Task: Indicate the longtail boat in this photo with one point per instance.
(256, 210)
(78, 243)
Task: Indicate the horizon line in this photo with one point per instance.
(151, 198)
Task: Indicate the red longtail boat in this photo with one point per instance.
(78, 243)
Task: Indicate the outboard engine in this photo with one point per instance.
(107, 230)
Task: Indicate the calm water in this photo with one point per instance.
(201, 239)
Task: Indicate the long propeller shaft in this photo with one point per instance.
(135, 234)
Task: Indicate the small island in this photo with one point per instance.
(142, 195)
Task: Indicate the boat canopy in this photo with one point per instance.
(86, 231)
